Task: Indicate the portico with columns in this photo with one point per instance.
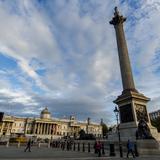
(44, 128)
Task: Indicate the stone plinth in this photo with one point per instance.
(148, 147)
(132, 107)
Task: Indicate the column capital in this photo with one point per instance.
(117, 19)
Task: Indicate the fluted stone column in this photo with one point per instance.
(52, 128)
(44, 128)
(41, 128)
(49, 129)
(47, 132)
(2, 126)
(37, 128)
(125, 67)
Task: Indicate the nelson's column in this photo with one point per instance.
(131, 103)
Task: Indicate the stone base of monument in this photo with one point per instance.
(148, 147)
(154, 132)
(128, 131)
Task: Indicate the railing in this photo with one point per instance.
(107, 148)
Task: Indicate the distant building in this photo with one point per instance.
(154, 115)
(46, 127)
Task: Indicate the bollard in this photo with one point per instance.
(18, 145)
(89, 147)
(49, 144)
(135, 150)
(83, 147)
(78, 146)
(39, 145)
(7, 144)
(63, 145)
(112, 150)
(103, 152)
(74, 146)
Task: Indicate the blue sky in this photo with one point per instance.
(63, 54)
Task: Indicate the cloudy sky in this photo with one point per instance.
(63, 54)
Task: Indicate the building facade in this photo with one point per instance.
(154, 115)
(46, 127)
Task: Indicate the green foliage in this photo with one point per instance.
(104, 129)
(156, 123)
(84, 136)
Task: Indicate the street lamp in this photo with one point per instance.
(116, 111)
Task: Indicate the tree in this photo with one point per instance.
(104, 130)
(82, 134)
(156, 123)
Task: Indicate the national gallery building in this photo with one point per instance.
(46, 127)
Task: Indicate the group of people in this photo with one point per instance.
(99, 148)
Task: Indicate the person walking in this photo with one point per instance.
(95, 150)
(130, 147)
(98, 148)
(28, 147)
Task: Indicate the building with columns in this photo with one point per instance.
(45, 126)
(154, 115)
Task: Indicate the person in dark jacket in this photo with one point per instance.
(130, 147)
(98, 148)
(28, 147)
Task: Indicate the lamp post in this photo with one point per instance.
(116, 111)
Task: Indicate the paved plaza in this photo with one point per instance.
(55, 154)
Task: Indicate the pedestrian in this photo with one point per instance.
(130, 147)
(95, 151)
(28, 147)
(98, 148)
(103, 152)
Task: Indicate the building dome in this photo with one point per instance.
(45, 113)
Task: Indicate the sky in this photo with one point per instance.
(63, 54)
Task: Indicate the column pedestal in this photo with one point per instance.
(132, 107)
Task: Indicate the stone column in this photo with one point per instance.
(37, 128)
(56, 129)
(47, 128)
(126, 72)
(50, 128)
(41, 128)
(34, 130)
(53, 129)
(26, 126)
(8, 128)
(2, 127)
(44, 131)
